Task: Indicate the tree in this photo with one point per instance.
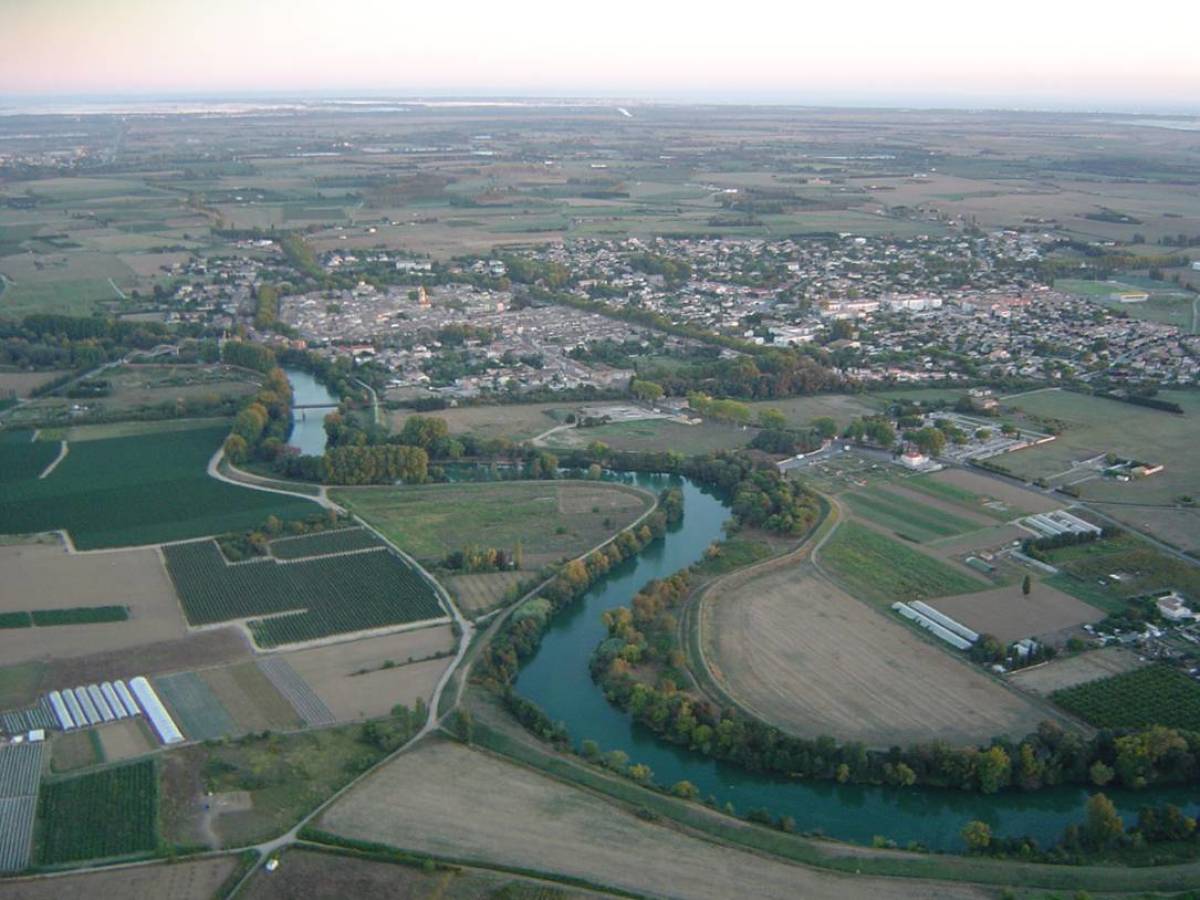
(1102, 826)
(646, 391)
(1101, 774)
(995, 770)
(685, 790)
(1026, 585)
(824, 426)
(772, 419)
(235, 448)
(977, 835)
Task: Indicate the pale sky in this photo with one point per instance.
(1049, 53)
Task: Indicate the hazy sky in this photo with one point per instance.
(1049, 53)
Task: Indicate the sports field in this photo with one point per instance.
(881, 570)
(549, 520)
(656, 434)
(134, 490)
(803, 654)
(448, 800)
(517, 421)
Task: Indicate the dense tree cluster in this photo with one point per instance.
(482, 559)
(379, 464)
(45, 341)
(261, 428)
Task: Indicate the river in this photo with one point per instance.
(557, 679)
(308, 425)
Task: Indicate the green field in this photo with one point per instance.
(1155, 695)
(926, 484)
(903, 516)
(305, 600)
(550, 520)
(22, 459)
(113, 812)
(133, 490)
(195, 707)
(1167, 303)
(342, 540)
(1141, 569)
(876, 568)
(655, 434)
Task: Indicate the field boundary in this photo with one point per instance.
(62, 454)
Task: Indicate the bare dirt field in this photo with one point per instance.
(250, 698)
(479, 592)
(42, 576)
(21, 684)
(191, 880)
(1020, 500)
(449, 800)
(324, 876)
(329, 671)
(125, 739)
(1072, 670)
(1011, 616)
(19, 384)
(805, 655)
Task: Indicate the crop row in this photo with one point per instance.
(1156, 695)
(112, 812)
(328, 595)
(339, 541)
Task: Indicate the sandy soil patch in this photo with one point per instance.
(1010, 615)
(1070, 671)
(40, 576)
(807, 656)
(251, 700)
(192, 880)
(330, 670)
(125, 739)
(1018, 499)
(449, 800)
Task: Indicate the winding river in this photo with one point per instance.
(557, 679)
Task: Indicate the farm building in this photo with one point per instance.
(1173, 608)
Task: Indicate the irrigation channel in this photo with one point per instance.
(557, 679)
(308, 425)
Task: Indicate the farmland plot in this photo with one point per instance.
(1155, 695)
(134, 490)
(108, 813)
(307, 599)
(195, 708)
(196, 879)
(802, 654)
(448, 800)
(343, 540)
(20, 774)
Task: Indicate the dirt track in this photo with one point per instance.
(452, 801)
(805, 655)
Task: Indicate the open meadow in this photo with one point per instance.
(448, 800)
(804, 655)
(655, 434)
(549, 520)
(134, 490)
(515, 421)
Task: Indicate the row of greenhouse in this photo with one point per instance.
(95, 704)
